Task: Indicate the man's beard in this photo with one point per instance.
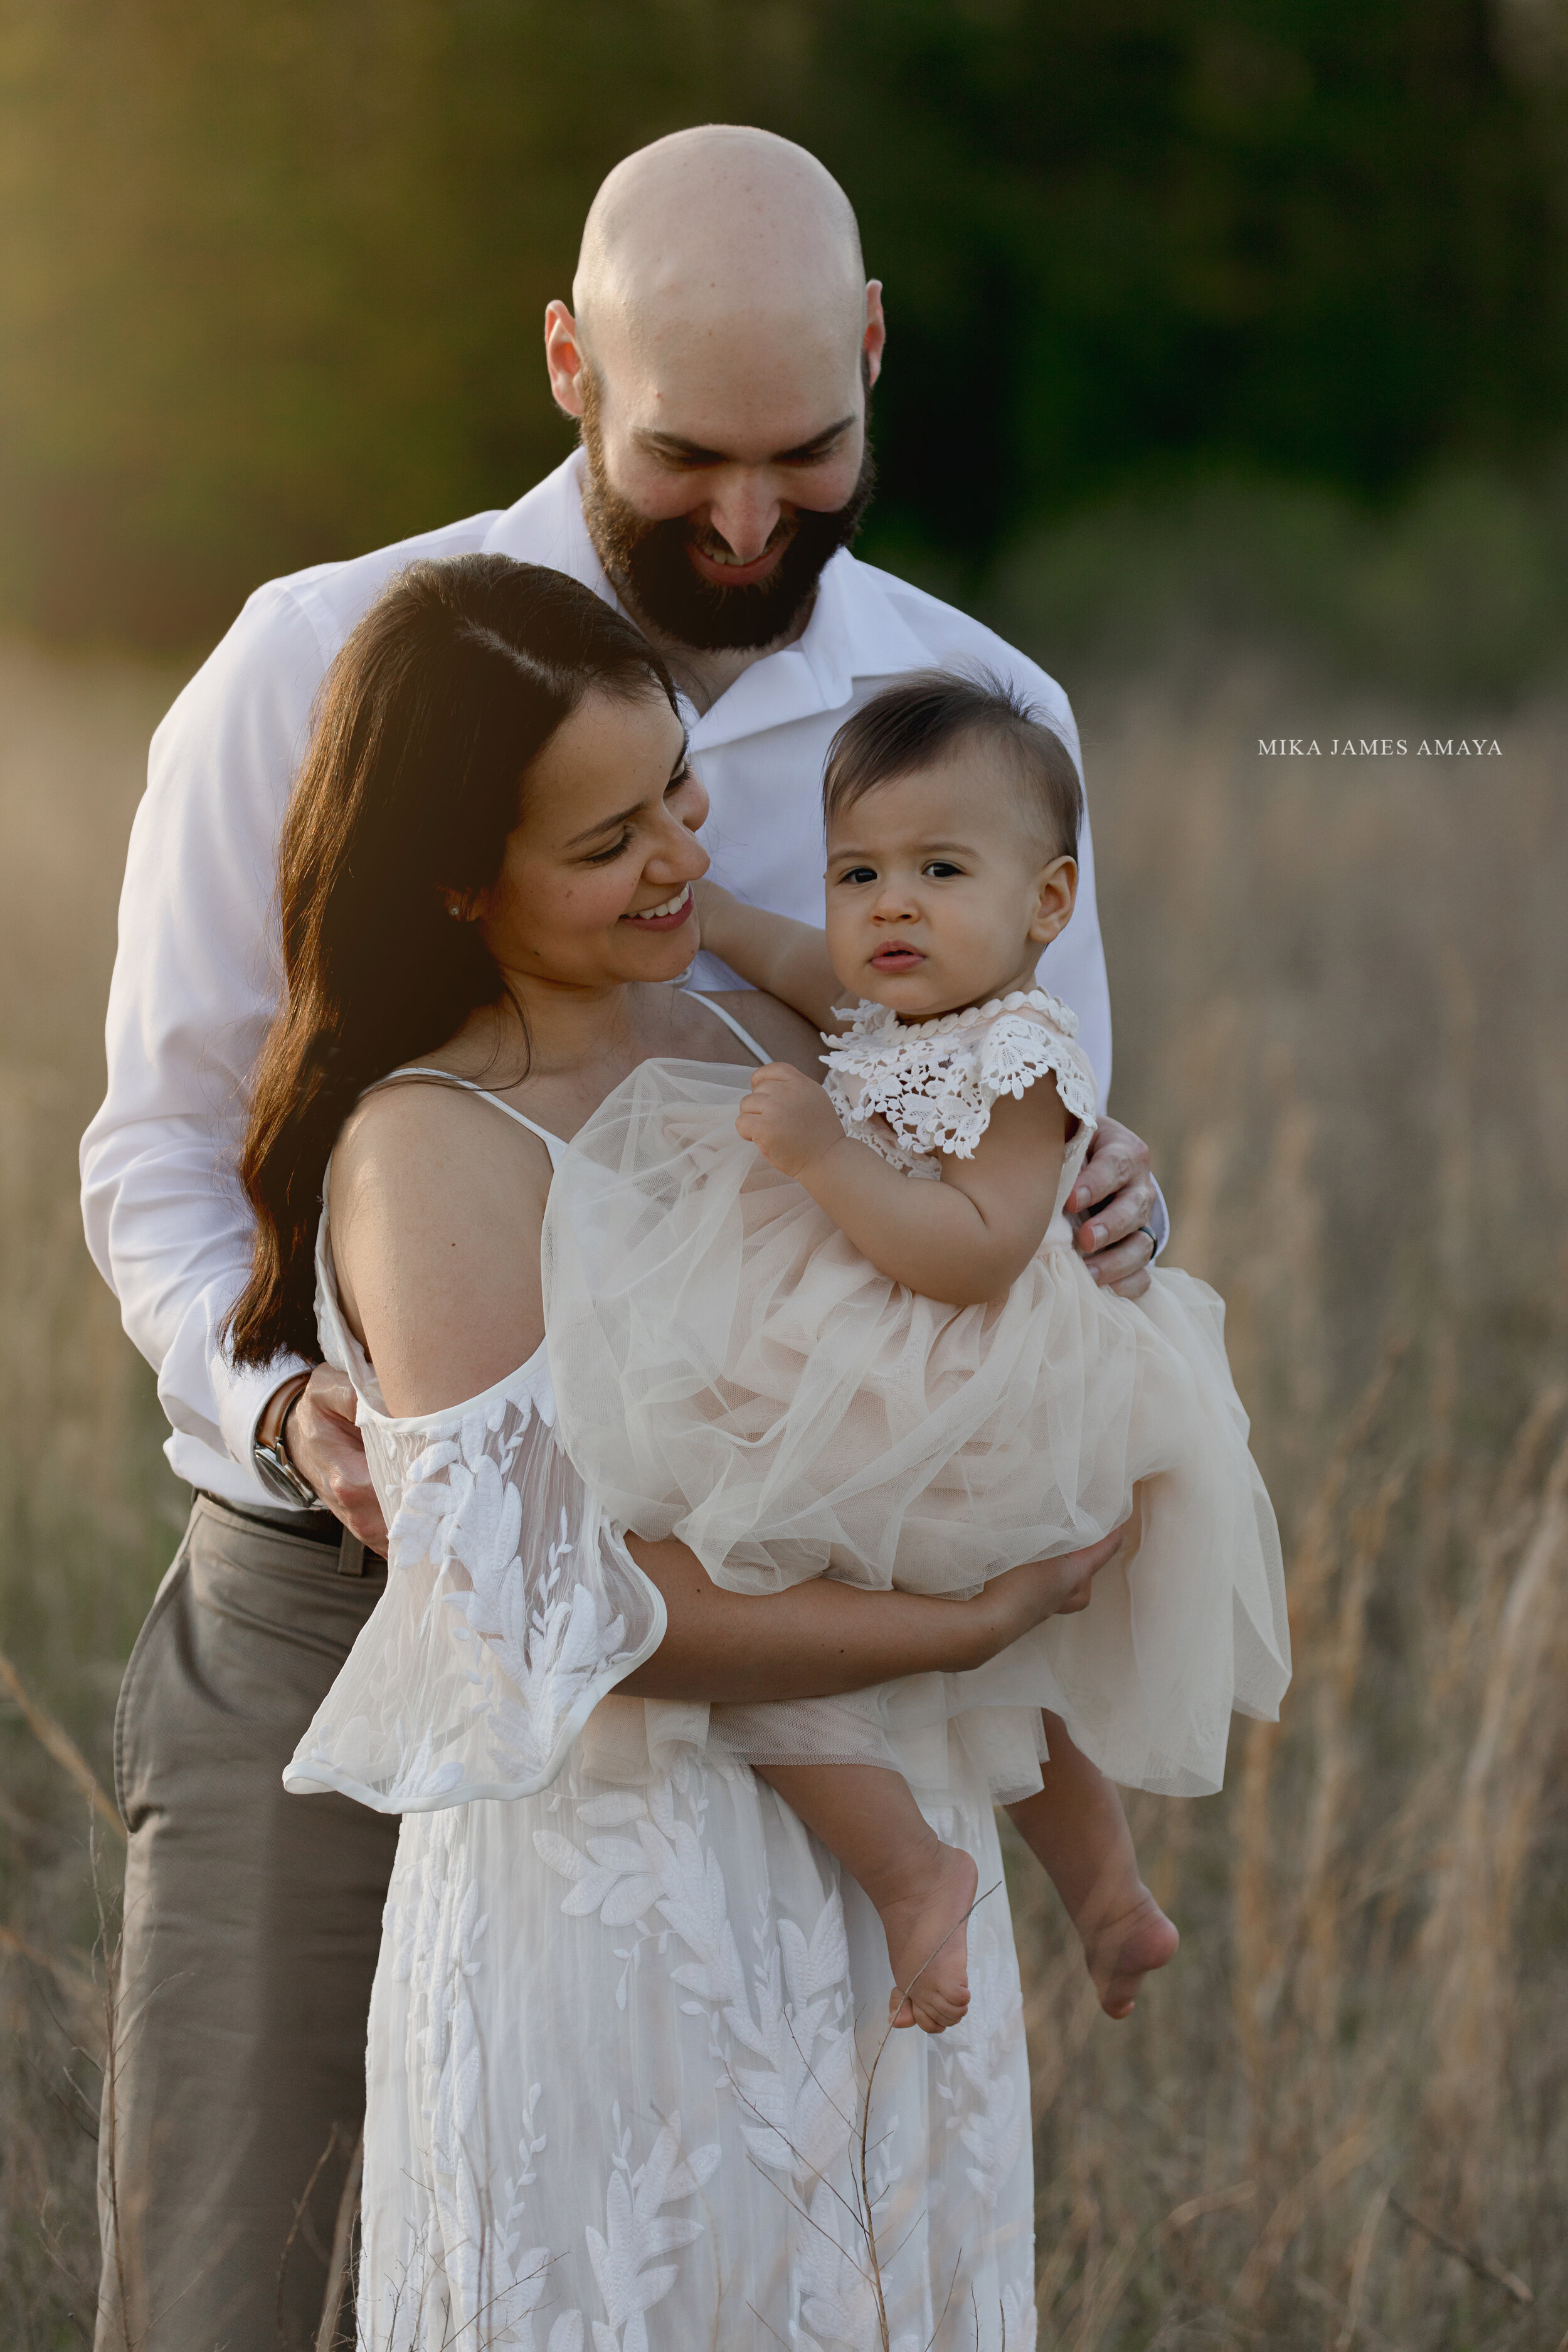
(654, 576)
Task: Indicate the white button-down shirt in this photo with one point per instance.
(196, 978)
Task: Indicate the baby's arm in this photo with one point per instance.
(964, 1240)
(772, 952)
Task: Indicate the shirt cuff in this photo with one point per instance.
(242, 1399)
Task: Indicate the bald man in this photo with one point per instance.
(720, 355)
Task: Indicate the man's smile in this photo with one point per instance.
(723, 571)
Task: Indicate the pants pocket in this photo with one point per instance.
(134, 1677)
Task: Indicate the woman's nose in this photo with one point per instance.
(680, 856)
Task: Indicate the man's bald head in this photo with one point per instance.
(720, 359)
(712, 230)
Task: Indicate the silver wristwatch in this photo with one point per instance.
(275, 1470)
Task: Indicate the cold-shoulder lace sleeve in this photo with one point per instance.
(512, 1607)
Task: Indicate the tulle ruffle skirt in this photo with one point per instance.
(729, 1370)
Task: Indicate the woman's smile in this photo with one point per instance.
(666, 918)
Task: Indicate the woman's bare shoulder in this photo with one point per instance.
(417, 1136)
(783, 1033)
(436, 1203)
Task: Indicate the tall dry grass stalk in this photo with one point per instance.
(1339, 2120)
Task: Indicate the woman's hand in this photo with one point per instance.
(1022, 1598)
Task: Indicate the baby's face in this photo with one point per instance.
(939, 894)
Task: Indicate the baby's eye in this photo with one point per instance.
(939, 868)
(859, 873)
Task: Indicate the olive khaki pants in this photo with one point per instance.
(236, 2090)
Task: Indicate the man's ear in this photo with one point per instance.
(1056, 894)
(564, 358)
(876, 336)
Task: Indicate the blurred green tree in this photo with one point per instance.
(271, 274)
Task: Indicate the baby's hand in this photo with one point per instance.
(788, 1118)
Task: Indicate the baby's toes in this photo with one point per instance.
(935, 2012)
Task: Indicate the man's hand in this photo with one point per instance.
(1113, 1204)
(789, 1119)
(325, 1446)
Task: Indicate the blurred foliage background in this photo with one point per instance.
(271, 278)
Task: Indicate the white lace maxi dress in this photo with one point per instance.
(627, 2011)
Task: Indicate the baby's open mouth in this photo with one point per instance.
(897, 957)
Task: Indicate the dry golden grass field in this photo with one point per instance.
(1341, 995)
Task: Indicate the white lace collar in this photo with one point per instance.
(915, 1091)
(868, 1019)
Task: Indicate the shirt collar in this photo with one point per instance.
(855, 630)
(546, 526)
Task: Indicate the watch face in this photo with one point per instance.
(280, 1478)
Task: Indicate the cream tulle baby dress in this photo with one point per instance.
(730, 1369)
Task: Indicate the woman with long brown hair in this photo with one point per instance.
(616, 2091)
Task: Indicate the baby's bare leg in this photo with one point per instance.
(867, 1817)
(1077, 1830)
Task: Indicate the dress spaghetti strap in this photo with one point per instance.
(730, 1023)
(553, 1144)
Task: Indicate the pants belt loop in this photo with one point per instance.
(351, 1555)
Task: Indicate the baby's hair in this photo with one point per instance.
(909, 726)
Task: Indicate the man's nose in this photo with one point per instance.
(744, 510)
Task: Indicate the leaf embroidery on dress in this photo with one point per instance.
(637, 2231)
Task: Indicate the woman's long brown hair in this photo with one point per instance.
(451, 685)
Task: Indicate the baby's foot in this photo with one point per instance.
(1128, 1944)
(928, 1943)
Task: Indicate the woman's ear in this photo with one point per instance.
(1056, 893)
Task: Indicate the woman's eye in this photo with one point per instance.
(605, 856)
(676, 781)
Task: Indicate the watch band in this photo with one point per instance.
(276, 1471)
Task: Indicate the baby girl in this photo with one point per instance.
(841, 1329)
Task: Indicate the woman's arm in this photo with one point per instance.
(772, 952)
(963, 1241)
(437, 1205)
(822, 1638)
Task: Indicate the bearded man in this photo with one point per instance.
(720, 357)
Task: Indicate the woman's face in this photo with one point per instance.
(595, 888)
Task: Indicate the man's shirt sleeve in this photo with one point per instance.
(195, 984)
